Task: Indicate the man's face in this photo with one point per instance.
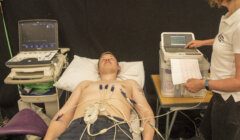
(108, 64)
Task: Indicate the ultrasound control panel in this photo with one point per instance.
(30, 58)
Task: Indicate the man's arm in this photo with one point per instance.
(63, 117)
(144, 110)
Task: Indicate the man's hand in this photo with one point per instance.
(194, 85)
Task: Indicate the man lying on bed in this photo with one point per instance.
(107, 103)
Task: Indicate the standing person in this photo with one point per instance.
(222, 118)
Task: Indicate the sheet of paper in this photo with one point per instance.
(184, 69)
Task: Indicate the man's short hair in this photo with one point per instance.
(107, 52)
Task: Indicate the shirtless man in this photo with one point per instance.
(107, 103)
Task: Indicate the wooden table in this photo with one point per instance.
(174, 104)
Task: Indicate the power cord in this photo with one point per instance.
(5, 30)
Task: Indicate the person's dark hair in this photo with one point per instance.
(216, 3)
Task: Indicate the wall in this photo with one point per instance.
(129, 28)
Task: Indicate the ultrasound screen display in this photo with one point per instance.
(38, 35)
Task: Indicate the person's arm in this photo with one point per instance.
(63, 117)
(199, 43)
(226, 85)
(144, 110)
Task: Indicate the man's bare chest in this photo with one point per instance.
(106, 90)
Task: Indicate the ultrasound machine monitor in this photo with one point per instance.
(173, 46)
(38, 43)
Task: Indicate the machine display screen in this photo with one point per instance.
(37, 35)
(178, 40)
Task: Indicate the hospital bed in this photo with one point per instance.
(29, 122)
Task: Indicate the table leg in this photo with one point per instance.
(171, 124)
(167, 125)
(157, 113)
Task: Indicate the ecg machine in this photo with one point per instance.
(173, 46)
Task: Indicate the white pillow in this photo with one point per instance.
(82, 68)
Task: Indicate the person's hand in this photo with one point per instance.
(194, 85)
(194, 44)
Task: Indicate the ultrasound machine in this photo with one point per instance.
(38, 43)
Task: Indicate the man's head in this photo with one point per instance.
(108, 64)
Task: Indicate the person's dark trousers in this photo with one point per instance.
(78, 126)
(222, 119)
